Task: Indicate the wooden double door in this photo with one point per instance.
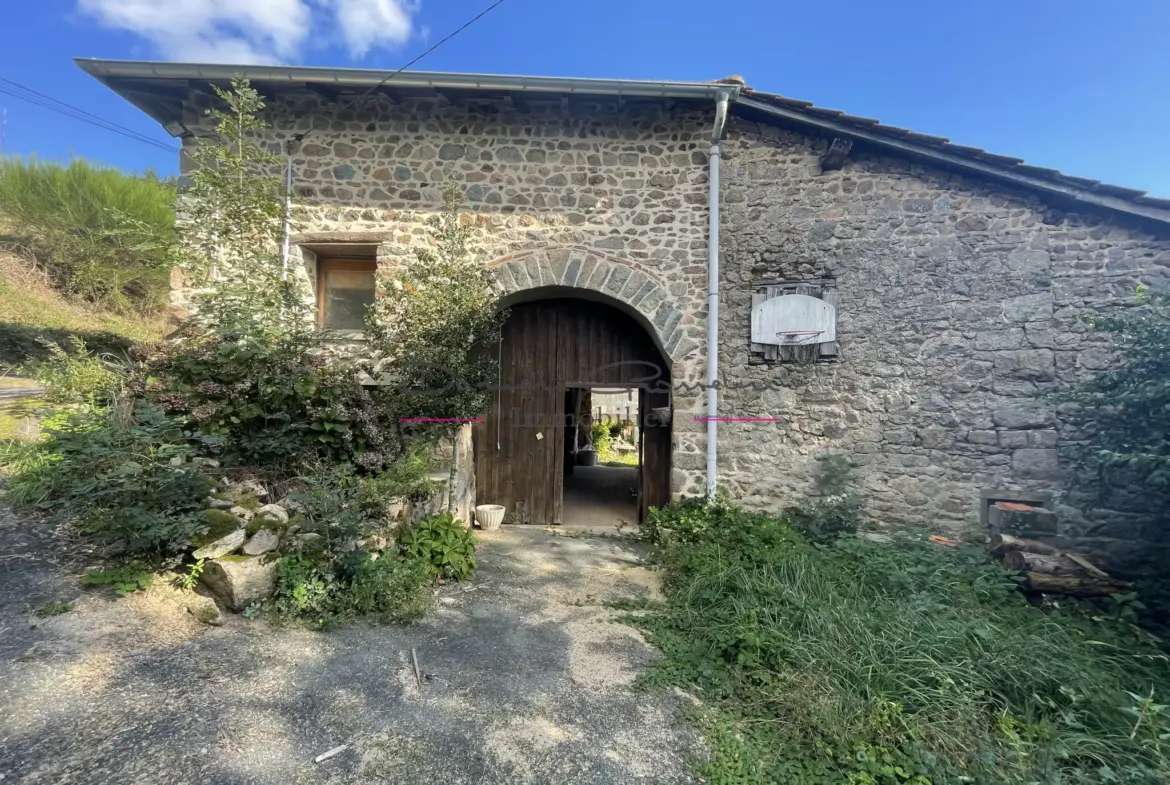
(548, 348)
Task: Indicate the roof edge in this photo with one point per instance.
(954, 161)
(356, 77)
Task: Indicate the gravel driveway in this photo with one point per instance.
(526, 680)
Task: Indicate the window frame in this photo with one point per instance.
(343, 263)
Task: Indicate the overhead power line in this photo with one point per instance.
(449, 36)
(27, 94)
(9, 87)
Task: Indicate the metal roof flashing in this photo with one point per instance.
(104, 70)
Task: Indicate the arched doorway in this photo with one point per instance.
(552, 346)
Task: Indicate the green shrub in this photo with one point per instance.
(444, 544)
(601, 438)
(274, 403)
(111, 476)
(313, 588)
(77, 376)
(103, 235)
(22, 344)
(838, 509)
(1129, 405)
(890, 663)
(434, 324)
(406, 478)
(53, 608)
(126, 579)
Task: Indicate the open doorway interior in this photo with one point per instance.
(602, 471)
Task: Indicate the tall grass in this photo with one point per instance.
(101, 234)
(819, 659)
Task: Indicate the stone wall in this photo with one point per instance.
(613, 200)
(960, 305)
(959, 300)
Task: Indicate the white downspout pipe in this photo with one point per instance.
(713, 293)
(286, 245)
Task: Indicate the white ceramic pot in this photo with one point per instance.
(489, 516)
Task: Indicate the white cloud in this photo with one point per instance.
(365, 24)
(256, 31)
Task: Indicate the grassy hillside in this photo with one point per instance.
(101, 235)
(30, 309)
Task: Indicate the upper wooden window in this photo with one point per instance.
(345, 289)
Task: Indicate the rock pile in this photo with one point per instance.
(243, 535)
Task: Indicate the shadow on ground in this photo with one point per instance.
(526, 680)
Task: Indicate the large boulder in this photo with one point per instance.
(239, 581)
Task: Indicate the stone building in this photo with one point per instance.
(959, 278)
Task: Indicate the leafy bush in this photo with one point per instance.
(839, 508)
(405, 479)
(53, 608)
(101, 234)
(76, 376)
(432, 323)
(343, 574)
(600, 437)
(111, 475)
(1129, 405)
(274, 403)
(233, 222)
(860, 662)
(312, 588)
(443, 543)
(125, 580)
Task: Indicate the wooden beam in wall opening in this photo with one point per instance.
(838, 152)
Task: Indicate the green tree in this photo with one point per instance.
(433, 326)
(233, 222)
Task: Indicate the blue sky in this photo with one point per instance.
(1078, 85)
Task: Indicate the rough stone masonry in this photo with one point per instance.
(959, 300)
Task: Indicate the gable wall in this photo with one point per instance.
(960, 304)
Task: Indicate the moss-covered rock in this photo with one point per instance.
(225, 533)
(249, 503)
(204, 609)
(271, 517)
(220, 523)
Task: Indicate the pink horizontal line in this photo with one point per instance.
(737, 419)
(440, 419)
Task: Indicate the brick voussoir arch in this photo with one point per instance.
(578, 267)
